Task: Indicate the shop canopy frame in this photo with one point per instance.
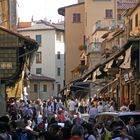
(115, 56)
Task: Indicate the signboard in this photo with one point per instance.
(6, 65)
(8, 62)
(8, 40)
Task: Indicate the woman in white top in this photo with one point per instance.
(100, 107)
(111, 108)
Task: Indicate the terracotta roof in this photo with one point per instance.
(43, 25)
(105, 35)
(37, 26)
(118, 32)
(100, 29)
(110, 35)
(132, 10)
(126, 5)
(40, 78)
(24, 24)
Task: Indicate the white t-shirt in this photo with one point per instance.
(106, 108)
(124, 108)
(91, 137)
(100, 108)
(119, 138)
(72, 105)
(111, 109)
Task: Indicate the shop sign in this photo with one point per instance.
(6, 65)
(8, 62)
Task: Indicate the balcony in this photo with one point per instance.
(94, 47)
(109, 24)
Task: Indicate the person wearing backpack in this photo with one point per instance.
(88, 133)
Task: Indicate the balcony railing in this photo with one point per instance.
(94, 47)
(110, 24)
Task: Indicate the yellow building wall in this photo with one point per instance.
(4, 12)
(98, 35)
(95, 10)
(74, 37)
(135, 30)
(40, 94)
(94, 57)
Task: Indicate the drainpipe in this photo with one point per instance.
(115, 12)
(38, 95)
(120, 93)
(2, 99)
(139, 56)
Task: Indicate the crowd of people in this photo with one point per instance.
(53, 120)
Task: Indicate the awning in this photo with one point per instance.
(107, 88)
(80, 86)
(115, 56)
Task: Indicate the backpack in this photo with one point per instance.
(86, 138)
(23, 136)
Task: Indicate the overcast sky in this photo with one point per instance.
(41, 9)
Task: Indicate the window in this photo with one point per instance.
(136, 20)
(109, 13)
(58, 87)
(52, 86)
(58, 36)
(76, 18)
(44, 88)
(58, 55)
(130, 24)
(38, 57)
(38, 39)
(38, 71)
(119, 17)
(58, 72)
(35, 88)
